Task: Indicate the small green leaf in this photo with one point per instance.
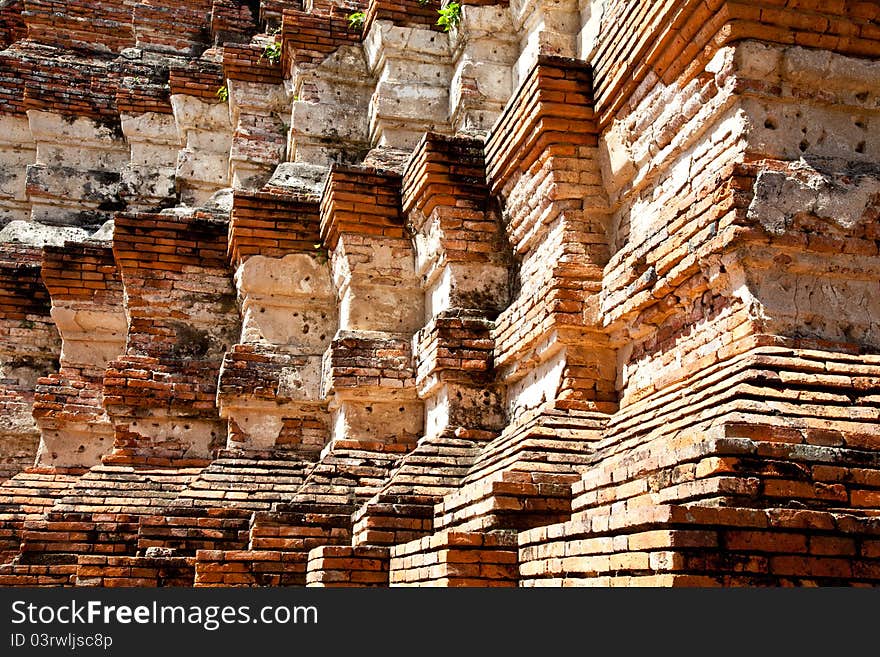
(356, 20)
(450, 16)
(272, 52)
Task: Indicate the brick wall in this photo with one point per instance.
(169, 27)
(272, 225)
(184, 530)
(80, 24)
(138, 572)
(406, 13)
(544, 147)
(345, 566)
(232, 21)
(456, 559)
(248, 63)
(52, 85)
(625, 334)
(86, 289)
(361, 201)
(309, 38)
(672, 39)
(12, 27)
(169, 263)
(200, 79)
(679, 546)
(135, 96)
(28, 495)
(247, 568)
(29, 348)
(38, 575)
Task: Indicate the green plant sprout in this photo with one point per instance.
(272, 52)
(223, 93)
(356, 20)
(450, 16)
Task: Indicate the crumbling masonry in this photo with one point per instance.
(580, 292)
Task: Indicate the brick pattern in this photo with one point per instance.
(544, 146)
(79, 277)
(99, 512)
(254, 376)
(751, 439)
(592, 309)
(29, 348)
(456, 559)
(309, 38)
(81, 272)
(78, 533)
(24, 300)
(109, 27)
(28, 495)
(272, 224)
(12, 27)
(346, 566)
(181, 530)
(447, 172)
(168, 27)
(319, 515)
(350, 473)
(39, 76)
(74, 24)
(515, 500)
(232, 21)
(356, 364)
(38, 575)
(405, 13)
(552, 107)
(245, 480)
(249, 568)
(297, 528)
(12, 87)
(444, 189)
(246, 62)
(403, 510)
(168, 263)
(199, 78)
(138, 96)
(18, 450)
(456, 347)
(545, 440)
(362, 201)
(728, 391)
(281, 540)
(675, 38)
(124, 491)
(674, 545)
(52, 85)
(140, 572)
(164, 253)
